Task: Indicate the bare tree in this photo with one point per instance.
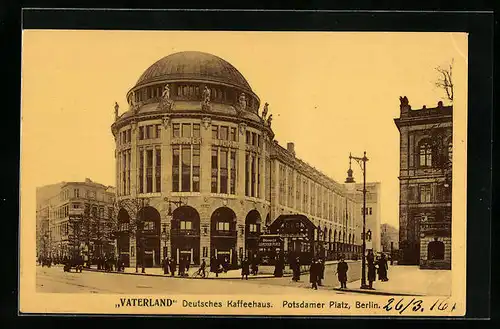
(445, 80)
(132, 226)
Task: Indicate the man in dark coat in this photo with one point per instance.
(370, 259)
(245, 269)
(255, 266)
(182, 266)
(342, 269)
(295, 265)
(214, 266)
(321, 271)
(166, 265)
(314, 270)
(173, 266)
(382, 268)
(278, 266)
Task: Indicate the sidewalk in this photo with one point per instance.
(158, 272)
(408, 281)
(265, 272)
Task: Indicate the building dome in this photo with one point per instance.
(194, 65)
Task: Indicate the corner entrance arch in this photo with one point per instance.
(252, 233)
(185, 234)
(223, 236)
(123, 237)
(148, 237)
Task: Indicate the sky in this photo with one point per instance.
(329, 93)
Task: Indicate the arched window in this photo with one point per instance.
(435, 250)
(425, 153)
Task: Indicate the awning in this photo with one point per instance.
(282, 219)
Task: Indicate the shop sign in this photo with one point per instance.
(274, 241)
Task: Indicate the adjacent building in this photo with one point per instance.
(193, 150)
(426, 148)
(372, 213)
(389, 238)
(90, 202)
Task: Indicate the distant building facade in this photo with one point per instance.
(389, 236)
(373, 213)
(56, 204)
(426, 149)
(193, 145)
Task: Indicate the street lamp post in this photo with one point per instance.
(362, 163)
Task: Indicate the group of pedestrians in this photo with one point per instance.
(316, 272)
(376, 266)
(249, 267)
(170, 266)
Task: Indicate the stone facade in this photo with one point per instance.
(212, 175)
(425, 185)
(56, 203)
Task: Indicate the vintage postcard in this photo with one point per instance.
(243, 173)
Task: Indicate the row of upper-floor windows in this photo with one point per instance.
(429, 193)
(298, 192)
(189, 130)
(191, 92)
(253, 138)
(429, 154)
(70, 193)
(186, 171)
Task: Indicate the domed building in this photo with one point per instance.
(199, 172)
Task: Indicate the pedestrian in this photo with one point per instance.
(181, 266)
(382, 268)
(342, 269)
(321, 270)
(213, 266)
(255, 266)
(278, 266)
(314, 269)
(173, 266)
(245, 269)
(201, 270)
(186, 265)
(166, 264)
(225, 267)
(370, 259)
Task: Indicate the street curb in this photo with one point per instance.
(374, 292)
(181, 277)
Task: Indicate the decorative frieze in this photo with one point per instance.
(186, 140)
(225, 143)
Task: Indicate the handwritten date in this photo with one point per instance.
(417, 305)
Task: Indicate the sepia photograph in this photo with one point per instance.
(230, 172)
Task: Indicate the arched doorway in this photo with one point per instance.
(435, 250)
(252, 233)
(148, 237)
(123, 237)
(223, 236)
(185, 234)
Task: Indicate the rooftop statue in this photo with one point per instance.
(269, 120)
(403, 100)
(265, 110)
(116, 110)
(166, 92)
(242, 101)
(206, 95)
